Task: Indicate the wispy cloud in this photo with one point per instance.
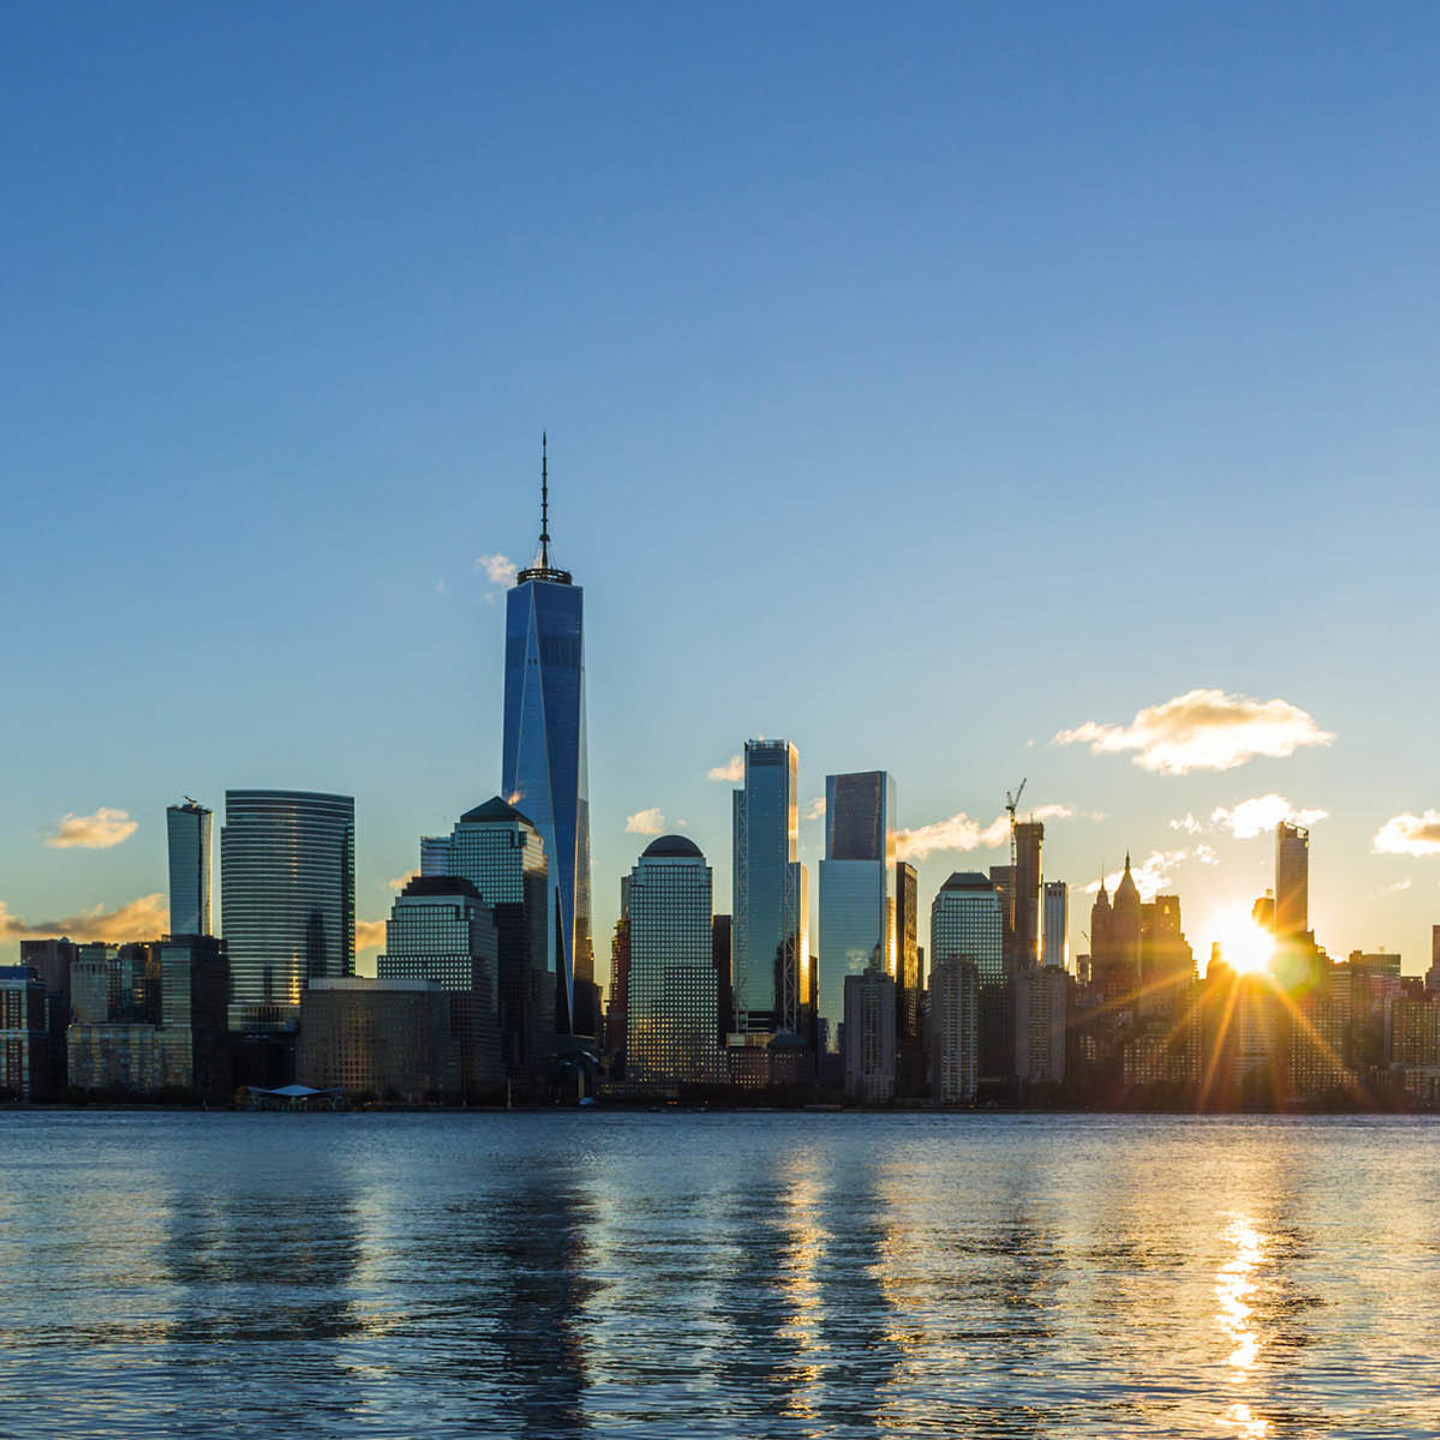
(1202, 730)
(1187, 824)
(958, 832)
(499, 569)
(1396, 888)
(815, 810)
(369, 934)
(147, 918)
(100, 831)
(1409, 835)
(731, 772)
(645, 822)
(401, 881)
(1206, 855)
(1262, 814)
(1151, 875)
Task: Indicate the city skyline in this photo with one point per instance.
(1113, 437)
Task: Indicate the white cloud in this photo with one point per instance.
(1050, 812)
(499, 569)
(1397, 887)
(1151, 875)
(1409, 835)
(147, 918)
(959, 832)
(1262, 814)
(645, 822)
(106, 827)
(401, 881)
(1202, 730)
(731, 772)
(369, 934)
(1206, 855)
(1189, 824)
(815, 810)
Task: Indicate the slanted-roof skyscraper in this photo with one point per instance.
(544, 770)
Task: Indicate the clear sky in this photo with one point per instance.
(922, 382)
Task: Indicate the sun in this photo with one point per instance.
(1246, 947)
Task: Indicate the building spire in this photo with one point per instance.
(544, 504)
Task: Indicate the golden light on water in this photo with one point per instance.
(1235, 1287)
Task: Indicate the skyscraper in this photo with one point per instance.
(1292, 879)
(1055, 926)
(189, 829)
(1025, 917)
(954, 1031)
(772, 983)
(287, 889)
(544, 770)
(857, 897)
(870, 1037)
(966, 924)
(501, 854)
(672, 1007)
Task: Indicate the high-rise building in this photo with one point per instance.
(545, 771)
(722, 949)
(954, 1030)
(194, 1038)
(1432, 975)
(501, 853)
(1292, 879)
(771, 982)
(1115, 938)
(1025, 917)
(434, 855)
(1040, 1024)
(287, 892)
(870, 1049)
(189, 830)
(25, 1067)
(1055, 926)
(672, 1008)
(440, 929)
(966, 924)
(908, 980)
(857, 877)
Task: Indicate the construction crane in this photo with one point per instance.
(1011, 804)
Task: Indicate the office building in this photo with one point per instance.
(189, 830)
(390, 1039)
(1432, 975)
(194, 1037)
(1055, 926)
(772, 986)
(1115, 928)
(434, 855)
(966, 923)
(1292, 879)
(1041, 994)
(857, 879)
(1025, 915)
(672, 1007)
(544, 767)
(870, 1050)
(25, 1067)
(51, 960)
(287, 892)
(954, 997)
(501, 853)
(722, 933)
(439, 929)
(908, 980)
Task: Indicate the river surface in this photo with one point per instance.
(695, 1275)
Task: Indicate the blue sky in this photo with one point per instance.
(922, 382)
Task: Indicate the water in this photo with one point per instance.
(670, 1275)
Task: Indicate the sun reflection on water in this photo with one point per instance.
(1234, 1288)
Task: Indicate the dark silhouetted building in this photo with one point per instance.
(1292, 879)
(189, 833)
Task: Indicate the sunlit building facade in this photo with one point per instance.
(772, 983)
(954, 1030)
(672, 1006)
(1025, 916)
(287, 888)
(189, 829)
(965, 924)
(1041, 1004)
(1055, 925)
(857, 897)
(1292, 879)
(544, 771)
(870, 1049)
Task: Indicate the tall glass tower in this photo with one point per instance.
(544, 772)
(857, 888)
(771, 936)
(189, 832)
(287, 892)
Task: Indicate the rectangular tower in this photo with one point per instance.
(1292, 879)
(1055, 925)
(189, 830)
(1025, 917)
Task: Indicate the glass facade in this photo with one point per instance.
(189, 831)
(772, 990)
(857, 888)
(965, 924)
(954, 1031)
(1292, 879)
(1055, 927)
(287, 894)
(672, 1005)
(1025, 917)
(544, 771)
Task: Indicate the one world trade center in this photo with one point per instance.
(544, 774)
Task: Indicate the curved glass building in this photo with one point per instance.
(287, 897)
(544, 770)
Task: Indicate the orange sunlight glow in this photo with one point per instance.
(1246, 947)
